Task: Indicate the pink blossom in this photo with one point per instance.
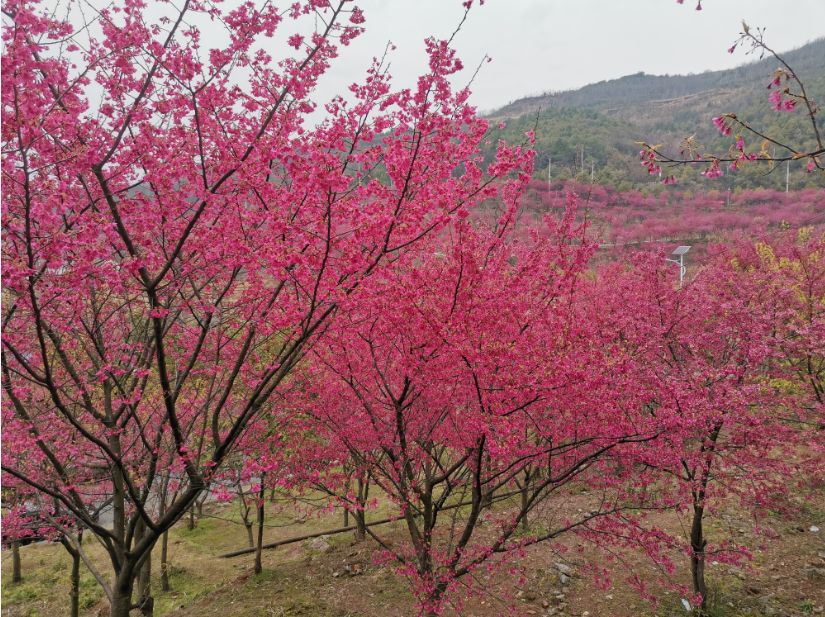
(721, 123)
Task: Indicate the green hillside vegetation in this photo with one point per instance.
(607, 118)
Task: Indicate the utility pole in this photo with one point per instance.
(592, 170)
(787, 175)
(549, 171)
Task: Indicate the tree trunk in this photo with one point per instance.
(164, 562)
(191, 524)
(249, 537)
(346, 517)
(434, 600)
(164, 542)
(487, 497)
(258, 568)
(525, 500)
(146, 603)
(74, 591)
(360, 525)
(16, 568)
(697, 558)
(361, 515)
(121, 601)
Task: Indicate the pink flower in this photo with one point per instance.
(720, 122)
(295, 41)
(775, 99)
(714, 171)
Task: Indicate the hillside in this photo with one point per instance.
(605, 119)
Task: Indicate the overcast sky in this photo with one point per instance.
(542, 45)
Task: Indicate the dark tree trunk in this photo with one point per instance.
(434, 600)
(164, 562)
(360, 525)
(487, 497)
(16, 568)
(74, 591)
(121, 599)
(258, 568)
(525, 502)
(164, 539)
(346, 517)
(250, 538)
(145, 600)
(361, 516)
(697, 558)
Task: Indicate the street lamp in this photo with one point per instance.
(679, 252)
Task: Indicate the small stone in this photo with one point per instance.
(564, 579)
(815, 574)
(737, 573)
(609, 596)
(320, 544)
(753, 590)
(813, 529)
(819, 609)
(545, 604)
(564, 568)
(586, 614)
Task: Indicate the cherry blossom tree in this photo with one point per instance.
(176, 235)
(461, 377)
(702, 351)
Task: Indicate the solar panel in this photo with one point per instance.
(681, 250)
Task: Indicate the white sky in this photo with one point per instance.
(542, 45)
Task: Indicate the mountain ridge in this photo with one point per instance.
(805, 59)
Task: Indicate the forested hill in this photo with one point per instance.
(605, 119)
